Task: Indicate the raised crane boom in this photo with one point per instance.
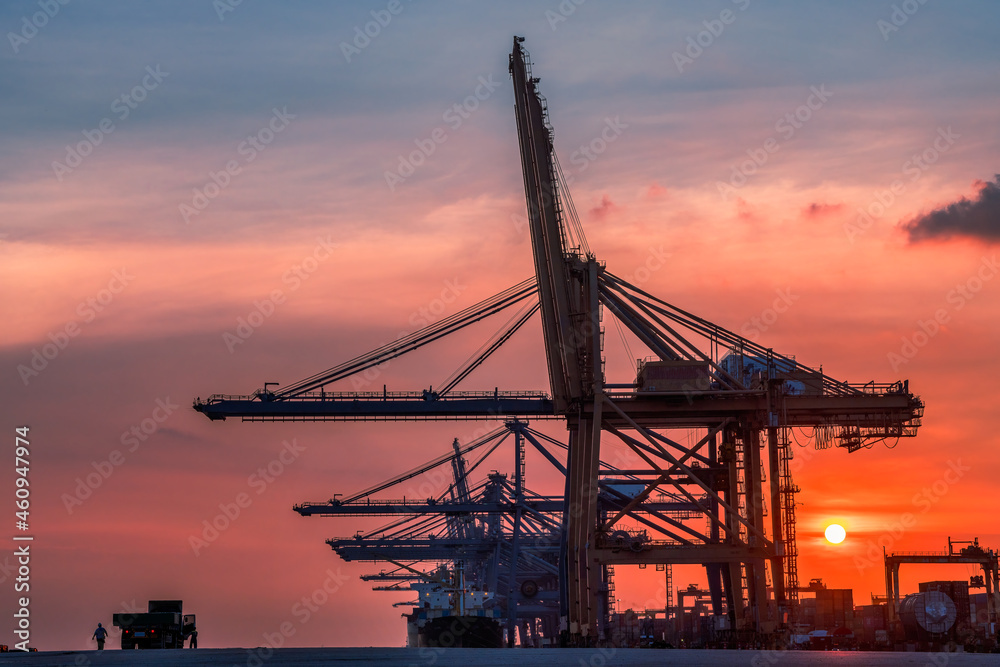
(552, 259)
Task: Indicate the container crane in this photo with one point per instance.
(741, 398)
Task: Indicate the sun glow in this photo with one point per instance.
(835, 533)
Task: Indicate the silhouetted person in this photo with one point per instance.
(100, 634)
(194, 639)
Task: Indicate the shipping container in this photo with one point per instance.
(673, 376)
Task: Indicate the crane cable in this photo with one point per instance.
(574, 218)
(499, 337)
(412, 341)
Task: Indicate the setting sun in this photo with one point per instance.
(835, 533)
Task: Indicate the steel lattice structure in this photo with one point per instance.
(740, 398)
(508, 538)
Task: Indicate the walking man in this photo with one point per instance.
(100, 634)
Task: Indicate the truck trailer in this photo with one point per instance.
(163, 626)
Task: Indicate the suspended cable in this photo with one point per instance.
(494, 343)
(713, 331)
(430, 465)
(621, 333)
(574, 219)
(410, 342)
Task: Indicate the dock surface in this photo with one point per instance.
(403, 657)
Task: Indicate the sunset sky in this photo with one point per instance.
(171, 168)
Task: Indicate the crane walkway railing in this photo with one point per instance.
(423, 395)
(439, 504)
(616, 392)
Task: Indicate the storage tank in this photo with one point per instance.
(928, 613)
(958, 591)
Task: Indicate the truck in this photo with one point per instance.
(164, 625)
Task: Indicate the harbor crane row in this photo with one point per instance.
(743, 401)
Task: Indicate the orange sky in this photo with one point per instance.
(318, 191)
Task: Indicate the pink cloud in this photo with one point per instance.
(603, 209)
(817, 210)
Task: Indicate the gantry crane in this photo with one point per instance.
(741, 398)
(987, 559)
(506, 538)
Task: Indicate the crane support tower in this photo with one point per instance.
(740, 399)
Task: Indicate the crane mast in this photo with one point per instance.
(568, 296)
